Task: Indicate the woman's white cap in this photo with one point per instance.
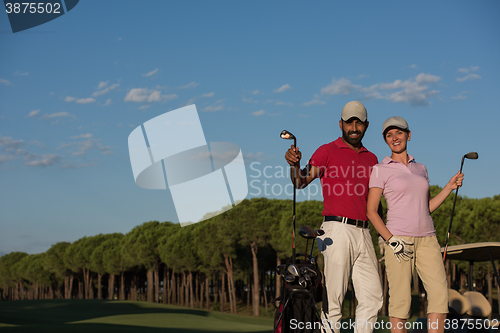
(395, 121)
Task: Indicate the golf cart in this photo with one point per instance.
(471, 311)
(472, 304)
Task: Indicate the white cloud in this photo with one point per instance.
(83, 136)
(56, 115)
(106, 90)
(341, 86)
(468, 77)
(255, 92)
(189, 85)
(258, 113)
(426, 78)
(461, 95)
(108, 102)
(314, 102)
(34, 113)
(43, 160)
(102, 84)
(208, 94)
(85, 100)
(217, 106)
(144, 95)
(145, 106)
(283, 88)
(249, 100)
(412, 91)
(70, 99)
(413, 66)
(84, 146)
(8, 144)
(284, 103)
(467, 70)
(153, 72)
(6, 82)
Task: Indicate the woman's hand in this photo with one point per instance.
(456, 181)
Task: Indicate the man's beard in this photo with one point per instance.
(353, 141)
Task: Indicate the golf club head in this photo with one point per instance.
(307, 232)
(319, 232)
(289, 278)
(280, 269)
(472, 155)
(312, 261)
(292, 269)
(307, 277)
(310, 271)
(303, 282)
(287, 135)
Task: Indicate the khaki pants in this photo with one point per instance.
(429, 264)
(348, 253)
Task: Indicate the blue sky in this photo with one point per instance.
(73, 89)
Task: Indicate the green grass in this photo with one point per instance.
(95, 316)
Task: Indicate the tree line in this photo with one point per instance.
(221, 264)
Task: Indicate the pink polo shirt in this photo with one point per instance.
(406, 190)
(344, 175)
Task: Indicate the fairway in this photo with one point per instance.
(96, 316)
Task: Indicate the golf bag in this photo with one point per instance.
(296, 310)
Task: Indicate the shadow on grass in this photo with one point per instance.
(70, 315)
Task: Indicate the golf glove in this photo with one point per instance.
(401, 248)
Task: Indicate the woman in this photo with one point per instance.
(409, 233)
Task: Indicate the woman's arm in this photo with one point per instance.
(454, 183)
(372, 206)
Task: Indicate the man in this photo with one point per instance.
(343, 167)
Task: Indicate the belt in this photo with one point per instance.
(357, 223)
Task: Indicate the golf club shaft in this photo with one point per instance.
(312, 248)
(305, 253)
(452, 213)
(294, 199)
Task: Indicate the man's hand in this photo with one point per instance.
(293, 156)
(401, 248)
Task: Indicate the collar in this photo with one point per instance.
(342, 145)
(388, 160)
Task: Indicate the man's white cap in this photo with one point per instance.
(395, 121)
(354, 109)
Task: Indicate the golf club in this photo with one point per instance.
(307, 233)
(471, 156)
(319, 232)
(281, 269)
(294, 270)
(289, 136)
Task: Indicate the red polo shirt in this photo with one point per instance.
(344, 175)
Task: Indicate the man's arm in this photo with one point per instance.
(300, 178)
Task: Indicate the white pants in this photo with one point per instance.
(348, 252)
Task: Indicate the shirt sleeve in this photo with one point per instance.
(426, 174)
(318, 159)
(376, 179)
